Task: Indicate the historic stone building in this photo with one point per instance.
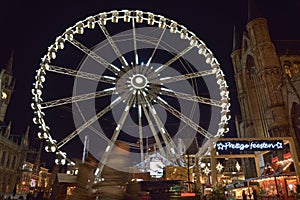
(18, 173)
(12, 155)
(13, 148)
(267, 78)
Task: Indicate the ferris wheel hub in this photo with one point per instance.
(139, 81)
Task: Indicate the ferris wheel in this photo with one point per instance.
(129, 77)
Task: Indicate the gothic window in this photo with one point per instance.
(250, 65)
(13, 164)
(3, 158)
(287, 69)
(296, 67)
(5, 96)
(245, 44)
(6, 80)
(295, 114)
(8, 161)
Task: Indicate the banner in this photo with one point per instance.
(255, 145)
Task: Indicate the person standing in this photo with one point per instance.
(29, 196)
(244, 195)
(255, 194)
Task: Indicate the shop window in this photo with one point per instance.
(291, 187)
(70, 190)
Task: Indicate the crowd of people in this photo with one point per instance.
(29, 196)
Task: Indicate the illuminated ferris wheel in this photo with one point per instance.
(129, 77)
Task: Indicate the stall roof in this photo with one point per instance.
(272, 175)
(66, 178)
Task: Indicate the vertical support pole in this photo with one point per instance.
(257, 166)
(197, 174)
(294, 156)
(213, 162)
(188, 167)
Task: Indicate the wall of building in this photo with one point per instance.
(11, 157)
(14, 178)
(267, 87)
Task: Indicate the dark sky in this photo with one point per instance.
(29, 27)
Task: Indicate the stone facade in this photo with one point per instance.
(13, 148)
(267, 85)
(16, 173)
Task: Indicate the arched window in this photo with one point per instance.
(8, 162)
(3, 158)
(287, 69)
(13, 163)
(295, 114)
(296, 67)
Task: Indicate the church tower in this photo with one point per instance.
(259, 77)
(7, 85)
(269, 75)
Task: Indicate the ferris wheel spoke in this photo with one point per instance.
(153, 130)
(136, 57)
(169, 79)
(121, 88)
(90, 121)
(140, 115)
(190, 97)
(103, 136)
(81, 74)
(94, 56)
(113, 44)
(83, 97)
(184, 118)
(156, 46)
(166, 137)
(116, 133)
(123, 118)
(172, 60)
(171, 147)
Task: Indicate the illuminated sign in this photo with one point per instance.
(156, 169)
(33, 183)
(188, 194)
(287, 155)
(256, 145)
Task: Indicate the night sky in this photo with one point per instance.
(29, 27)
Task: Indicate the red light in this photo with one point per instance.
(188, 194)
